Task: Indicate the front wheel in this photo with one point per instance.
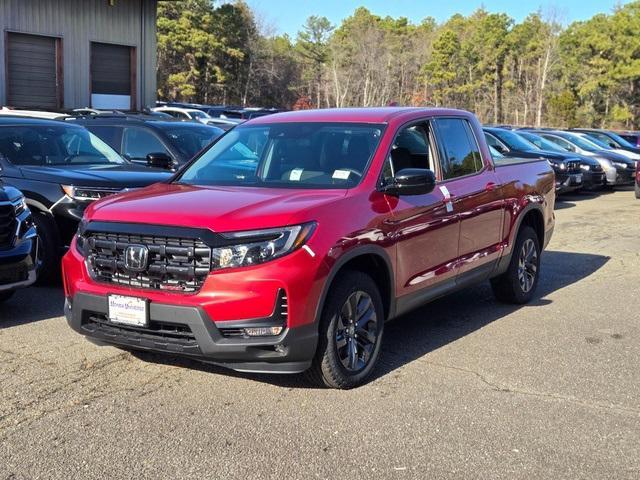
(351, 331)
(48, 249)
(518, 284)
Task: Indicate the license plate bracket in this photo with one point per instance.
(125, 310)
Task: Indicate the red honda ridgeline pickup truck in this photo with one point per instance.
(287, 245)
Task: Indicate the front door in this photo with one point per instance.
(425, 227)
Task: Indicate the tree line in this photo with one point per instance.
(534, 72)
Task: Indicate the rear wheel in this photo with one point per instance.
(48, 249)
(518, 284)
(4, 296)
(351, 331)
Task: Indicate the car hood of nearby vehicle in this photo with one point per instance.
(613, 156)
(215, 208)
(103, 175)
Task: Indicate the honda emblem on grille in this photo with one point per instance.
(136, 258)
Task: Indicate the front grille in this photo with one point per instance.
(8, 225)
(163, 336)
(174, 264)
(573, 166)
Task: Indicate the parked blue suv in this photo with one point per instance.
(18, 243)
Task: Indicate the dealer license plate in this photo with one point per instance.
(577, 178)
(128, 310)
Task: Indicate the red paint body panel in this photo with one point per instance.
(424, 243)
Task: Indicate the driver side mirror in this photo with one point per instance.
(412, 181)
(160, 160)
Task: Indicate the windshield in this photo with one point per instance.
(514, 141)
(581, 142)
(190, 139)
(198, 114)
(619, 140)
(542, 143)
(600, 143)
(54, 145)
(288, 155)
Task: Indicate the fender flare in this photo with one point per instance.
(343, 260)
(505, 260)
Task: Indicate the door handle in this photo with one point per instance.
(490, 187)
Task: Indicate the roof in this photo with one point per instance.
(352, 115)
(20, 120)
(150, 121)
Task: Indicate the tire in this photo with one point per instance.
(637, 189)
(48, 246)
(518, 284)
(348, 352)
(4, 296)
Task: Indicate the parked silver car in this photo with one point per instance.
(619, 169)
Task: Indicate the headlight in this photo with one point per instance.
(20, 205)
(585, 167)
(87, 194)
(562, 166)
(620, 165)
(259, 246)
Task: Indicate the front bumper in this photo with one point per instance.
(593, 180)
(18, 265)
(189, 331)
(566, 183)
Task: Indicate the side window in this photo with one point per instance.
(411, 149)
(562, 143)
(138, 143)
(461, 154)
(108, 134)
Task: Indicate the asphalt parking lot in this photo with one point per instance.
(468, 388)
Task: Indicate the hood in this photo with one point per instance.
(110, 175)
(216, 208)
(9, 194)
(614, 157)
(544, 154)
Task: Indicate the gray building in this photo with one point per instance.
(63, 54)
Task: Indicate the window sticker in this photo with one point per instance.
(341, 174)
(295, 174)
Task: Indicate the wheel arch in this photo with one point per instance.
(371, 260)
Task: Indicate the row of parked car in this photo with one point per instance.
(582, 159)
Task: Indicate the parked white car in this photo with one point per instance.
(185, 113)
(33, 114)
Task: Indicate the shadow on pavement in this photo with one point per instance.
(436, 324)
(31, 305)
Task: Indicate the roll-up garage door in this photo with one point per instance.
(32, 76)
(111, 85)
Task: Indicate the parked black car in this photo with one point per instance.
(593, 175)
(18, 243)
(61, 168)
(171, 143)
(511, 144)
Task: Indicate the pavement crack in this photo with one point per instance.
(548, 395)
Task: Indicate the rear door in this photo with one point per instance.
(473, 188)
